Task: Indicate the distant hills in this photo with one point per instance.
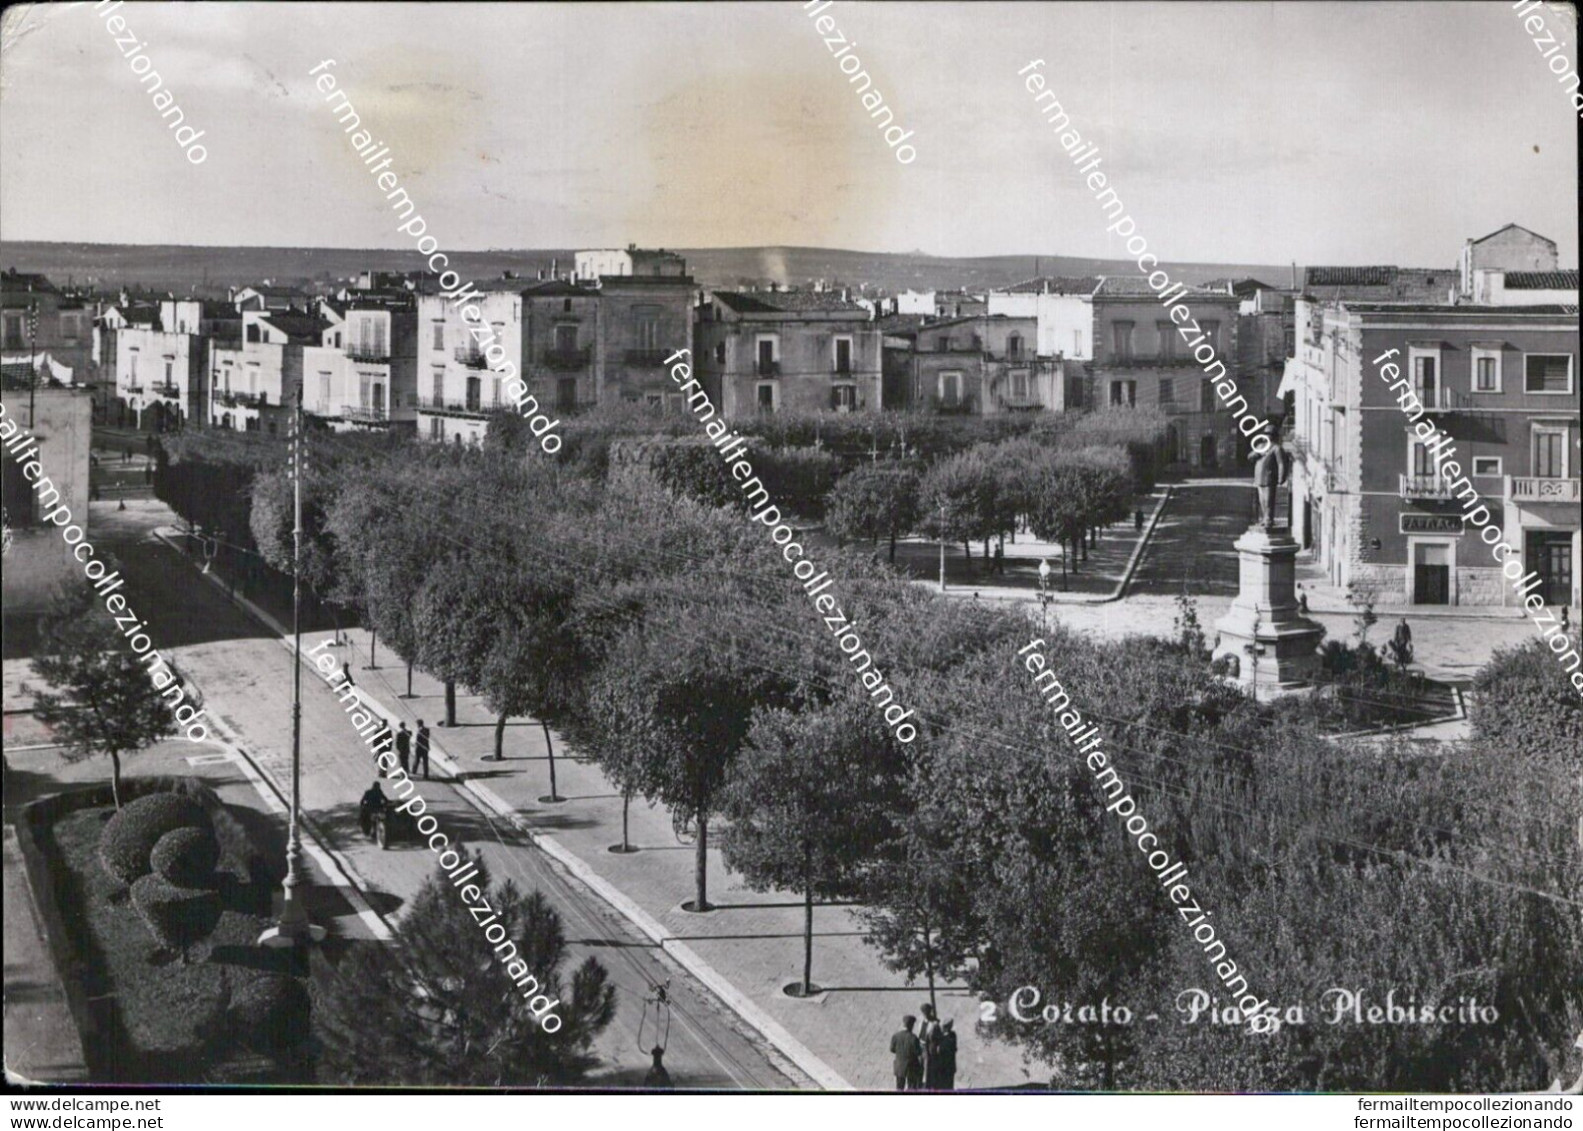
(185, 269)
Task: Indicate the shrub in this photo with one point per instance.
(186, 857)
(270, 1014)
(176, 916)
(798, 479)
(129, 837)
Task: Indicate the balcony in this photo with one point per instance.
(456, 408)
(359, 412)
(1447, 400)
(165, 389)
(133, 387)
(1425, 487)
(646, 358)
(471, 357)
(376, 352)
(241, 400)
(767, 369)
(1542, 490)
(576, 358)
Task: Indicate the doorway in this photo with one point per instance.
(1431, 574)
(1549, 554)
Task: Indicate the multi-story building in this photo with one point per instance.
(786, 351)
(1512, 248)
(984, 365)
(381, 369)
(160, 376)
(1381, 284)
(561, 327)
(253, 380)
(35, 478)
(1369, 497)
(1063, 308)
(604, 263)
(1141, 357)
(52, 330)
(458, 387)
(643, 319)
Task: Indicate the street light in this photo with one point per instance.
(1044, 593)
(294, 928)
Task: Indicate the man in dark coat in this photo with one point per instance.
(403, 746)
(371, 803)
(945, 1057)
(906, 1056)
(420, 751)
(929, 1044)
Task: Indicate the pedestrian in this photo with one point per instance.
(380, 743)
(346, 674)
(1302, 603)
(1000, 559)
(1137, 520)
(929, 1044)
(420, 751)
(1566, 618)
(658, 1077)
(403, 746)
(906, 1055)
(1402, 643)
(947, 1072)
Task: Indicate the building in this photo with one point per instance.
(604, 263)
(561, 334)
(1143, 358)
(160, 376)
(1369, 498)
(49, 330)
(1512, 248)
(786, 351)
(985, 366)
(1381, 284)
(253, 379)
(1062, 306)
(458, 387)
(38, 558)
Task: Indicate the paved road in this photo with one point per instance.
(1193, 541)
(246, 678)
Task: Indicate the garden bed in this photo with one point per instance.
(145, 1016)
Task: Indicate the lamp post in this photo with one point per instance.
(942, 547)
(294, 928)
(1044, 593)
(1254, 650)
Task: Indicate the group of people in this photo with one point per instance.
(926, 1060)
(412, 751)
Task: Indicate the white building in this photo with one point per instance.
(1063, 308)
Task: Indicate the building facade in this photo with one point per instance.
(1369, 495)
(787, 351)
(983, 366)
(38, 559)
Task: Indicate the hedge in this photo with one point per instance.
(130, 836)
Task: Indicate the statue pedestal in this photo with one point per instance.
(1276, 647)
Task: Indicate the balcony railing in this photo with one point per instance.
(1446, 400)
(368, 353)
(768, 369)
(1425, 487)
(133, 387)
(242, 400)
(471, 357)
(362, 412)
(646, 357)
(467, 408)
(575, 358)
(1532, 489)
(165, 389)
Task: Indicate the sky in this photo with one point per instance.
(1238, 132)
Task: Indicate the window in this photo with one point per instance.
(1211, 332)
(950, 389)
(13, 331)
(565, 339)
(1486, 370)
(1167, 341)
(653, 400)
(566, 306)
(943, 344)
(494, 392)
(843, 355)
(1425, 365)
(1547, 373)
(1550, 453)
(1206, 397)
(1421, 463)
(766, 398)
(1074, 393)
(1014, 346)
(1121, 340)
(1077, 342)
(475, 394)
(1487, 466)
(843, 398)
(720, 353)
(1167, 393)
(1123, 394)
(768, 349)
(170, 372)
(437, 383)
(439, 335)
(437, 428)
(1019, 385)
(132, 365)
(646, 327)
(324, 390)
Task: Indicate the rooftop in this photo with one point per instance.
(1467, 309)
(1541, 280)
(1119, 286)
(789, 302)
(1055, 285)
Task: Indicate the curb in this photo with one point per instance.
(772, 1031)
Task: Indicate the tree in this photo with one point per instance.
(873, 503)
(680, 689)
(810, 801)
(443, 1005)
(965, 488)
(104, 702)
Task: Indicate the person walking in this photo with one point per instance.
(929, 1045)
(420, 751)
(346, 673)
(1000, 560)
(658, 1077)
(1402, 643)
(403, 746)
(905, 1055)
(1137, 521)
(945, 1075)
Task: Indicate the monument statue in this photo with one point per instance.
(1271, 472)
